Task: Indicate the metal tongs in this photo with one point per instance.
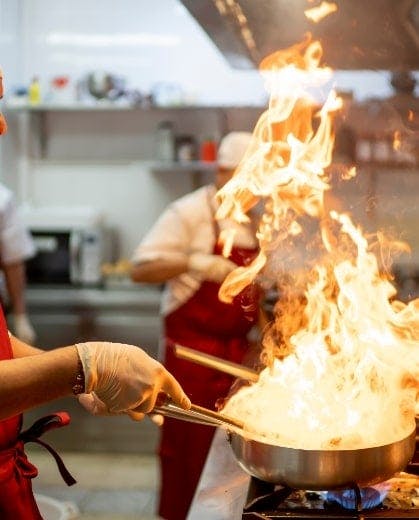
(196, 414)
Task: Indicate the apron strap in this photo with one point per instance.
(38, 428)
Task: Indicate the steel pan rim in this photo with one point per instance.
(299, 465)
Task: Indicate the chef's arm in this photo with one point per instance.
(29, 381)
(205, 265)
(159, 271)
(22, 349)
(110, 378)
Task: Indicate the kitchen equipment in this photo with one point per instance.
(395, 498)
(207, 360)
(382, 36)
(196, 414)
(103, 85)
(322, 469)
(303, 469)
(71, 246)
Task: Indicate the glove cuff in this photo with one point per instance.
(87, 366)
(79, 386)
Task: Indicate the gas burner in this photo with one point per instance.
(359, 498)
(396, 498)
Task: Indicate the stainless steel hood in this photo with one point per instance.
(361, 34)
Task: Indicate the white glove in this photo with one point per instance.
(124, 379)
(23, 329)
(212, 267)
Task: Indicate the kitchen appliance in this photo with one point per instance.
(395, 499)
(377, 35)
(71, 246)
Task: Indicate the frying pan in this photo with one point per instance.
(303, 469)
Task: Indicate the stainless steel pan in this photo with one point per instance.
(303, 469)
(322, 469)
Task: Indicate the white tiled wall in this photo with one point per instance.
(89, 155)
(146, 42)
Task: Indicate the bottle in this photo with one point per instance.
(165, 142)
(208, 152)
(34, 91)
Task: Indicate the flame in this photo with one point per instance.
(315, 14)
(397, 140)
(341, 355)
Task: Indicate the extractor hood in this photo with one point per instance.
(361, 34)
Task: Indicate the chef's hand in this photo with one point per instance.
(211, 267)
(23, 329)
(124, 379)
(95, 406)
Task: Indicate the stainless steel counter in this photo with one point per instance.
(65, 315)
(63, 296)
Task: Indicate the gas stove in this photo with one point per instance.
(397, 498)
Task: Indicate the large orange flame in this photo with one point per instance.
(342, 353)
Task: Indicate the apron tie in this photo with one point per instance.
(32, 434)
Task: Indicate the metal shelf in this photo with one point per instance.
(103, 106)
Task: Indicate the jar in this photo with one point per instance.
(185, 148)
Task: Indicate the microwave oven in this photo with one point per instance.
(71, 247)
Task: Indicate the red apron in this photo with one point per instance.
(16, 498)
(211, 326)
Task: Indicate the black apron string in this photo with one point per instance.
(38, 428)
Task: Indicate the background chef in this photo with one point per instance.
(16, 246)
(183, 250)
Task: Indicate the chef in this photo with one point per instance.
(107, 378)
(16, 246)
(183, 250)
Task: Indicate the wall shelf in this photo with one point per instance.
(104, 106)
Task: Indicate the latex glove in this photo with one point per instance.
(124, 379)
(23, 329)
(212, 267)
(95, 406)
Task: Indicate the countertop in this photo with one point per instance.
(135, 295)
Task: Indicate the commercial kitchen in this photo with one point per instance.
(116, 110)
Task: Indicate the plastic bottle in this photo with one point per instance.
(34, 92)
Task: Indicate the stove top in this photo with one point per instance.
(397, 498)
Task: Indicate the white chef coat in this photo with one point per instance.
(222, 489)
(185, 227)
(16, 243)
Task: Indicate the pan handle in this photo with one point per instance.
(207, 360)
(196, 414)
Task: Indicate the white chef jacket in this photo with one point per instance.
(16, 243)
(185, 227)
